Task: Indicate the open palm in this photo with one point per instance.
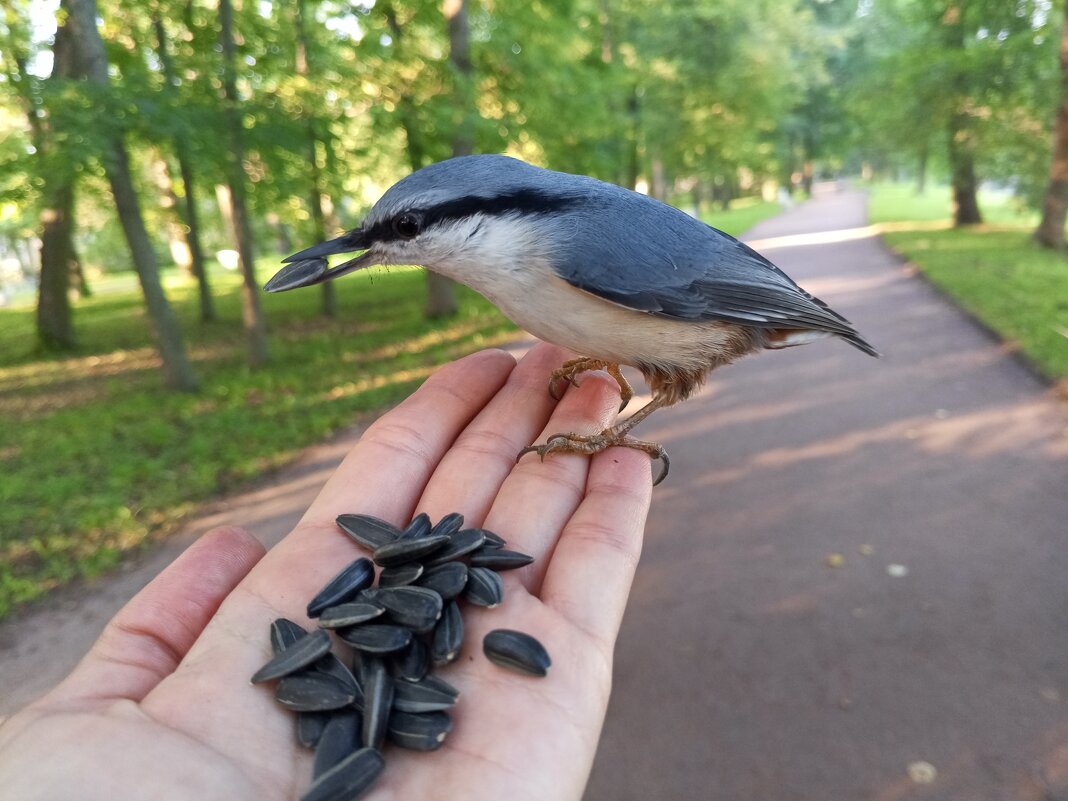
(162, 707)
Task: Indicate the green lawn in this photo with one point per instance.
(994, 270)
(98, 459)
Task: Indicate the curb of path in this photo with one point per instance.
(1011, 347)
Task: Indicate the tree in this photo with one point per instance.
(1050, 231)
(54, 172)
(187, 212)
(92, 63)
(252, 314)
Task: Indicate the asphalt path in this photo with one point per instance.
(855, 580)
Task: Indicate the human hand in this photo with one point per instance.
(162, 708)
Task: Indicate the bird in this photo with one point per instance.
(604, 271)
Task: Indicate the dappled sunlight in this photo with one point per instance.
(468, 329)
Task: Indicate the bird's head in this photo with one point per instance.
(457, 217)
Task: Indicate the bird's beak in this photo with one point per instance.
(309, 266)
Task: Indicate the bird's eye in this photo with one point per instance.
(406, 226)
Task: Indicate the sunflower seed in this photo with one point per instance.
(415, 607)
(340, 738)
(448, 635)
(343, 587)
(500, 559)
(376, 638)
(460, 544)
(516, 651)
(397, 553)
(425, 732)
(400, 576)
(419, 527)
(349, 779)
(313, 692)
(378, 700)
(370, 532)
(447, 580)
(493, 540)
(413, 662)
(284, 632)
(429, 695)
(349, 614)
(449, 524)
(484, 587)
(300, 654)
(310, 727)
(331, 666)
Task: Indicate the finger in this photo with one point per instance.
(383, 475)
(589, 577)
(539, 496)
(471, 473)
(149, 636)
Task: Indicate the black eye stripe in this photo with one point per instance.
(523, 201)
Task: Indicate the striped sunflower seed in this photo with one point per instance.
(447, 580)
(484, 587)
(449, 524)
(516, 651)
(349, 614)
(461, 543)
(345, 586)
(448, 635)
(313, 692)
(493, 540)
(429, 695)
(415, 607)
(424, 732)
(331, 666)
(419, 527)
(370, 532)
(413, 663)
(349, 779)
(500, 559)
(397, 553)
(376, 638)
(378, 700)
(300, 654)
(310, 727)
(340, 738)
(400, 576)
(284, 632)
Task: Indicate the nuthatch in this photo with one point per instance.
(599, 269)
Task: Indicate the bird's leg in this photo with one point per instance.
(572, 367)
(617, 435)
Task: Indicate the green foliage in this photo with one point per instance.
(994, 271)
(98, 458)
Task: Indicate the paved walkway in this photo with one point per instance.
(751, 670)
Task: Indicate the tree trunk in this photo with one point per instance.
(89, 47)
(315, 199)
(921, 171)
(963, 141)
(252, 315)
(441, 293)
(187, 211)
(1050, 231)
(55, 326)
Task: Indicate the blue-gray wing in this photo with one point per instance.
(646, 256)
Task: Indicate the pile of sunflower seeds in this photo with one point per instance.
(399, 630)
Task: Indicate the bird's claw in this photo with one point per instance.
(588, 445)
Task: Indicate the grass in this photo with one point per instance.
(99, 459)
(994, 271)
(743, 214)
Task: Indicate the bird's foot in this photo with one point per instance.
(589, 444)
(573, 367)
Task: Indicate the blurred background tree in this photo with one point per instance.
(258, 126)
